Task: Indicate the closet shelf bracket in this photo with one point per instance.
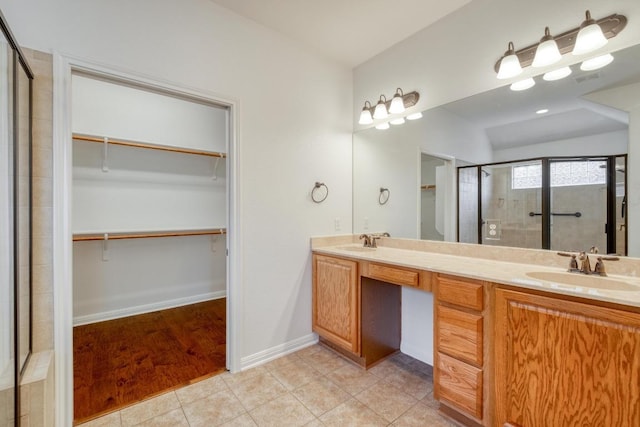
(215, 169)
(105, 155)
(105, 247)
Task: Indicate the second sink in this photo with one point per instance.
(595, 282)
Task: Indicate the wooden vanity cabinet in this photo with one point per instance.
(565, 363)
(459, 338)
(336, 301)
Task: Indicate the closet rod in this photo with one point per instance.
(428, 187)
(117, 236)
(97, 139)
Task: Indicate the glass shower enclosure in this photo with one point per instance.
(560, 203)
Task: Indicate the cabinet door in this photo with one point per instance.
(335, 301)
(564, 363)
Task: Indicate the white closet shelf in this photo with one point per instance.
(84, 237)
(100, 140)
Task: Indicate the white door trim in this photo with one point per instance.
(450, 196)
(63, 66)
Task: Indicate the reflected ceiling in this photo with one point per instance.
(510, 118)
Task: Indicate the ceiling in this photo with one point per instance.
(348, 31)
(510, 120)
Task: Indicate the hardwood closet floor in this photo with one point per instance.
(120, 362)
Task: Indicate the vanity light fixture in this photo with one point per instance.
(509, 64)
(415, 116)
(381, 111)
(546, 52)
(365, 115)
(590, 37)
(558, 74)
(597, 62)
(397, 103)
(383, 126)
(523, 84)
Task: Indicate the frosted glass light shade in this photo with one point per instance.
(509, 67)
(415, 116)
(589, 38)
(546, 54)
(523, 84)
(365, 117)
(398, 121)
(597, 62)
(383, 126)
(397, 105)
(558, 74)
(381, 110)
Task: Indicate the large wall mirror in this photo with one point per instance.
(15, 222)
(417, 162)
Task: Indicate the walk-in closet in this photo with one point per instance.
(149, 215)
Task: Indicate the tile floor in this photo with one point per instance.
(312, 387)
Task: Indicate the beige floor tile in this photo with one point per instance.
(307, 351)
(321, 395)
(386, 400)
(243, 420)
(352, 379)
(286, 410)
(149, 409)
(213, 410)
(352, 414)
(173, 418)
(416, 384)
(109, 420)
(258, 390)
(325, 361)
(234, 379)
(201, 389)
(315, 423)
(282, 361)
(422, 415)
(295, 374)
(430, 401)
(386, 368)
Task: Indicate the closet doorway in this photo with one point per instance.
(150, 203)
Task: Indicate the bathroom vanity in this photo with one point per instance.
(508, 347)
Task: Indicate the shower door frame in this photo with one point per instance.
(546, 196)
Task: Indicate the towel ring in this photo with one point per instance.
(383, 198)
(318, 195)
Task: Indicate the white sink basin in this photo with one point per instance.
(582, 280)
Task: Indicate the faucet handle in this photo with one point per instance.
(573, 263)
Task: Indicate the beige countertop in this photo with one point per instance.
(490, 266)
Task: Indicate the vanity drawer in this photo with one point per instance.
(460, 334)
(460, 385)
(456, 291)
(395, 275)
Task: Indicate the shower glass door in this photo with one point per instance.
(578, 204)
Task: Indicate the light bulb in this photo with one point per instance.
(590, 37)
(397, 103)
(558, 74)
(398, 121)
(597, 62)
(415, 116)
(365, 114)
(547, 52)
(523, 84)
(383, 126)
(381, 109)
(509, 64)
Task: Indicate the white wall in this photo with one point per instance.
(604, 144)
(294, 128)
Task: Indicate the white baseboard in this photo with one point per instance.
(272, 353)
(147, 308)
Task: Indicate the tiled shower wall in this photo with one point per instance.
(37, 406)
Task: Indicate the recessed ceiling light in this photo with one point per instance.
(542, 111)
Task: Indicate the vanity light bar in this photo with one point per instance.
(611, 26)
(409, 99)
